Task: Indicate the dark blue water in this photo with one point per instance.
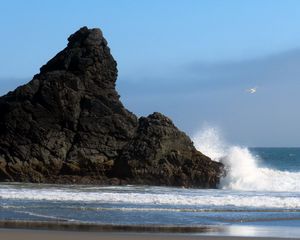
(284, 159)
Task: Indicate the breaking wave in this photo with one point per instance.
(244, 171)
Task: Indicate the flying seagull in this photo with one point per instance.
(252, 90)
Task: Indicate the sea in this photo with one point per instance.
(259, 197)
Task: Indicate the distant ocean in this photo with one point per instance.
(260, 196)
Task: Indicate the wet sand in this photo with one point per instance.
(90, 227)
(16, 234)
(37, 230)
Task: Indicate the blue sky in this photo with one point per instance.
(192, 60)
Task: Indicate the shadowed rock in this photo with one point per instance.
(68, 125)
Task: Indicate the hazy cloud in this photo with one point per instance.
(199, 76)
(215, 93)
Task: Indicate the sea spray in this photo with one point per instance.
(244, 170)
(210, 143)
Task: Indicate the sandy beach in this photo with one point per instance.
(34, 230)
(17, 234)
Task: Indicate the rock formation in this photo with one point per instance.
(67, 125)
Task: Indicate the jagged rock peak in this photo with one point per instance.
(86, 37)
(67, 125)
(86, 53)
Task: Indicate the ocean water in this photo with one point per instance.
(260, 196)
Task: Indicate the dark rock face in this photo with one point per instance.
(67, 125)
(160, 154)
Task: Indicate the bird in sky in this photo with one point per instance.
(252, 90)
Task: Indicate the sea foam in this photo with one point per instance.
(163, 196)
(244, 170)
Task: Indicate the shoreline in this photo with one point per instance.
(19, 234)
(94, 227)
(56, 230)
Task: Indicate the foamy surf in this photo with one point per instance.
(153, 196)
(244, 172)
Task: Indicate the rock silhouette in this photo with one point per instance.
(67, 125)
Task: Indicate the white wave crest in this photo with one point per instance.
(177, 197)
(243, 170)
